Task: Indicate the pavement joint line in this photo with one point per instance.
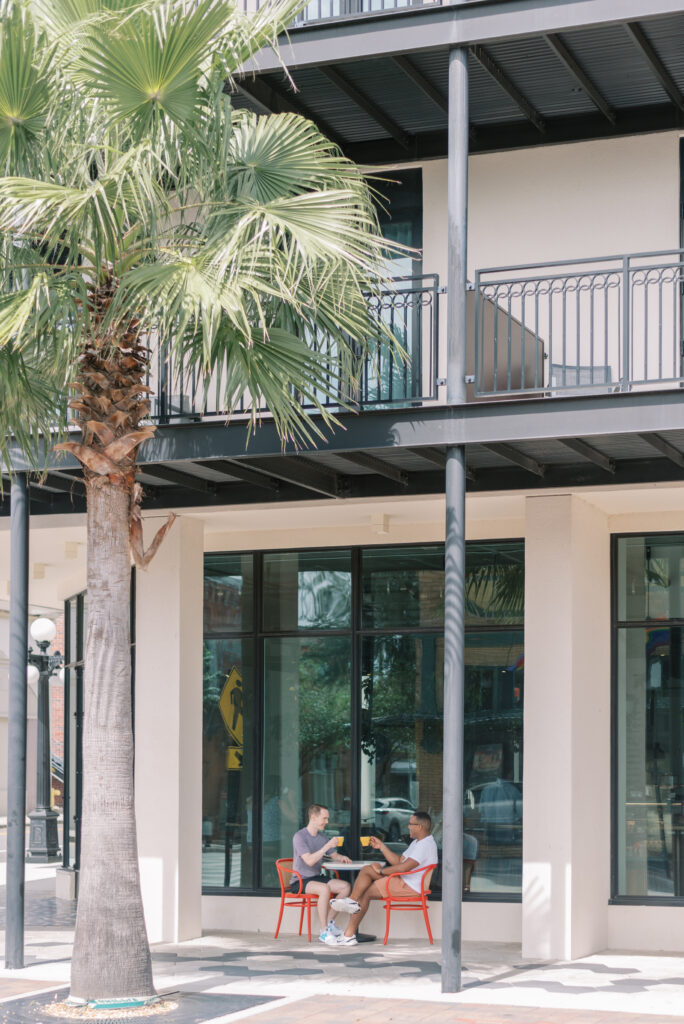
(29, 994)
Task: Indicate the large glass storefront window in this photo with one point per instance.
(228, 760)
(307, 699)
(340, 655)
(649, 671)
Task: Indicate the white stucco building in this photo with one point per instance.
(306, 590)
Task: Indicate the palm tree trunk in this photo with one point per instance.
(111, 956)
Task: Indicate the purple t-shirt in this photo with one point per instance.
(304, 842)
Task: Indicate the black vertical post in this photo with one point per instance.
(356, 709)
(16, 746)
(44, 834)
(454, 548)
(66, 728)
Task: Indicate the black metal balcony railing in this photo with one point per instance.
(380, 378)
(325, 10)
(545, 330)
(602, 324)
(329, 10)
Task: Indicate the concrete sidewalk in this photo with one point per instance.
(394, 984)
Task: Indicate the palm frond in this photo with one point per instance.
(32, 405)
(23, 94)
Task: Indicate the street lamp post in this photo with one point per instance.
(43, 835)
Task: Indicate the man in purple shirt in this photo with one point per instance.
(310, 848)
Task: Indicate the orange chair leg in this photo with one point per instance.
(301, 918)
(282, 908)
(308, 916)
(427, 923)
(388, 924)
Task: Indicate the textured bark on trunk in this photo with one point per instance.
(111, 956)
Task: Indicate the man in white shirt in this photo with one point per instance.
(370, 884)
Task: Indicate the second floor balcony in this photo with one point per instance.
(600, 325)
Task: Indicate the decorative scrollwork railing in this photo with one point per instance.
(337, 10)
(380, 377)
(601, 324)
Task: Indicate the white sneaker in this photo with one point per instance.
(328, 938)
(332, 929)
(345, 904)
(347, 940)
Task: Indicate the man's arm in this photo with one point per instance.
(399, 868)
(314, 858)
(390, 856)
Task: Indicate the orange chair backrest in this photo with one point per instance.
(427, 878)
(284, 869)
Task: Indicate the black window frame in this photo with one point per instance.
(356, 633)
(616, 624)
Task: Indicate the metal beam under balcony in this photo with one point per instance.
(540, 72)
(553, 448)
(428, 26)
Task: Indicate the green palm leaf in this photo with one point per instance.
(23, 94)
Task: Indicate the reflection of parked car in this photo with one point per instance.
(499, 807)
(392, 815)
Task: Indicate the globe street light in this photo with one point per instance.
(43, 835)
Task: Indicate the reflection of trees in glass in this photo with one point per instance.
(494, 694)
(389, 691)
(324, 698)
(324, 599)
(213, 769)
(214, 680)
(495, 582)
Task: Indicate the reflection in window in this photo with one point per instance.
(493, 801)
(650, 577)
(495, 583)
(310, 643)
(650, 717)
(402, 704)
(307, 590)
(228, 593)
(402, 729)
(307, 710)
(227, 764)
(650, 786)
(403, 587)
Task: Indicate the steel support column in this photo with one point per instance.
(454, 553)
(16, 746)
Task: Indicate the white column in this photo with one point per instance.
(168, 733)
(566, 836)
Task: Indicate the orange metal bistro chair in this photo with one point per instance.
(416, 902)
(300, 899)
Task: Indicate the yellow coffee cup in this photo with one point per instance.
(365, 840)
(340, 840)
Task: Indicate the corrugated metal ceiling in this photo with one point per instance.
(608, 55)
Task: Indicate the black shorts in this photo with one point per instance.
(294, 887)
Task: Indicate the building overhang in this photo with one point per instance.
(588, 440)
(541, 72)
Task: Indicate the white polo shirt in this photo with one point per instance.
(424, 852)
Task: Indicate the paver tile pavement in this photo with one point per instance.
(345, 1010)
(11, 987)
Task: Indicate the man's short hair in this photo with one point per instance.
(314, 809)
(424, 819)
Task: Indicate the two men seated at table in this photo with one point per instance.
(310, 848)
(371, 883)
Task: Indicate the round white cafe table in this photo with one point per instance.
(354, 865)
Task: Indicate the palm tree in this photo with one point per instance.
(138, 209)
